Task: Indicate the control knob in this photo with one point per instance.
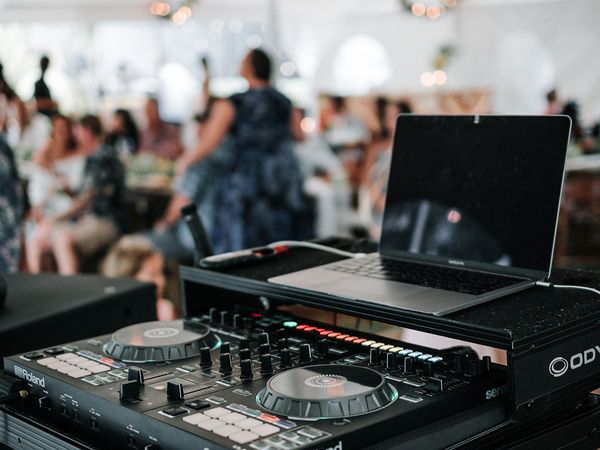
(323, 347)
(286, 357)
(205, 359)
(225, 363)
(266, 364)
(224, 318)
(391, 361)
(237, 321)
(374, 358)
(244, 353)
(305, 353)
(264, 349)
(225, 347)
(246, 369)
(175, 390)
(263, 338)
(213, 315)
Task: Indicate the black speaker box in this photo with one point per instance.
(48, 309)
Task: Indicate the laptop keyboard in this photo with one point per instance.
(449, 279)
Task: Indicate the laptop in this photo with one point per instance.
(471, 214)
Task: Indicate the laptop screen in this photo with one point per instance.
(476, 191)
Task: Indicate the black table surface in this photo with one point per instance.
(515, 319)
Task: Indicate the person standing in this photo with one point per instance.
(261, 199)
(11, 204)
(41, 91)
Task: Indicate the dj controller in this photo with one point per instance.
(250, 380)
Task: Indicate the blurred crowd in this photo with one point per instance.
(257, 168)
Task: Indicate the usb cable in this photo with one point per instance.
(314, 246)
(566, 286)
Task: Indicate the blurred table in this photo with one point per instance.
(149, 198)
(578, 239)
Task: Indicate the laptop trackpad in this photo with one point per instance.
(363, 288)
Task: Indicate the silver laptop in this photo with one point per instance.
(471, 214)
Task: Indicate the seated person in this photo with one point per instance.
(54, 178)
(134, 257)
(159, 138)
(124, 136)
(94, 220)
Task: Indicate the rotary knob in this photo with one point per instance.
(237, 321)
(282, 343)
(224, 318)
(428, 369)
(305, 353)
(264, 349)
(245, 343)
(391, 361)
(213, 314)
(374, 357)
(245, 353)
(286, 357)
(246, 369)
(205, 359)
(263, 338)
(323, 347)
(266, 364)
(225, 363)
(225, 347)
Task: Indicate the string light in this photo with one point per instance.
(432, 9)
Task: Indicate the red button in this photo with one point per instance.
(351, 338)
(256, 315)
(319, 329)
(342, 336)
(333, 334)
(268, 418)
(301, 327)
(307, 329)
(359, 341)
(326, 333)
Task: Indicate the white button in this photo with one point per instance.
(232, 418)
(98, 368)
(243, 436)
(248, 423)
(211, 424)
(57, 365)
(46, 361)
(217, 412)
(67, 368)
(77, 359)
(79, 373)
(226, 430)
(265, 430)
(66, 356)
(195, 419)
(86, 364)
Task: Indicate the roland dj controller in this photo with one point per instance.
(249, 380)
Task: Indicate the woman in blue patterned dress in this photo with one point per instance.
(259, 197)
